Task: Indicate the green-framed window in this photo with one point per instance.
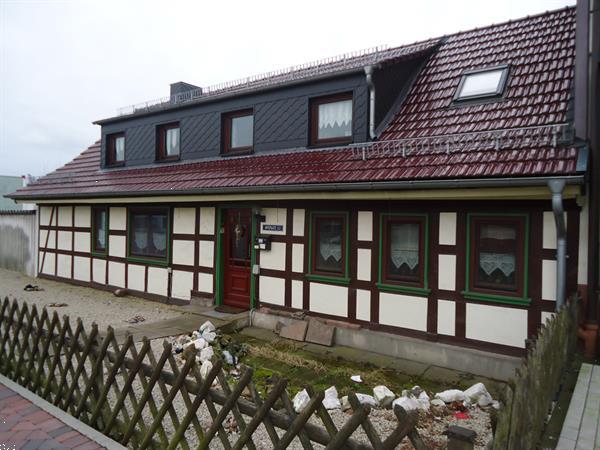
(149, 233)
(328, 247)
(497, 258)
(404, 253)
(99, 230)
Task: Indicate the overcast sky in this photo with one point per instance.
(64, 64)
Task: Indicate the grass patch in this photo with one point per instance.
(282, 358)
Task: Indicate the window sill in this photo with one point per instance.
(332, 143)
(99, 254)
(149, 261)
(116, 164)
(496, 298)
(422, 292)
(242, 152)
(328, 279)
(167, 160)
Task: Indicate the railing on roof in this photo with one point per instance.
(344, 61)
(495, 140)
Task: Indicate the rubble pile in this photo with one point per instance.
(415, 399)
(208, 342)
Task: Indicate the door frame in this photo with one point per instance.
(220, 262)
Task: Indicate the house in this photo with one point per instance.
(432, 190)
(9, 184)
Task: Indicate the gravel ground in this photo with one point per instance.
(92, 305)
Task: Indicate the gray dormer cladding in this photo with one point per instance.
(281, 114)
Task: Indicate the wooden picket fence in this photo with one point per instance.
(529, 394)
(141, 401)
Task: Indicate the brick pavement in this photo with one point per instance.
(25, 426)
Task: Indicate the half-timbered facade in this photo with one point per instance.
(407, 190)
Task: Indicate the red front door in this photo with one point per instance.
(236, 244)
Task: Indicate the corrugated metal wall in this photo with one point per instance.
(18, 241)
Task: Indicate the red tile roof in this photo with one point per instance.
(540, 51)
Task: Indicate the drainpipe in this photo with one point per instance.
(369, 73)
(557, 187)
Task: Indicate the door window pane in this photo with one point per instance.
(242, 131)
(496, 258)
(403, 251)
(329, 255)
(240, 243)
(335, 120)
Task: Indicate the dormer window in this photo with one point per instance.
(482, 84)
(115, 149)
(238, 132)
(331, 120)
(167, 142)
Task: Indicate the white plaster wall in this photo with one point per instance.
(51, 243)
(207, 220)
(365, 225)
(116, 246)
(206, 251)
(447, 272)
(549, 230)
(45, 213)
(363, 304)
(183, 252)
(99, 270)
(363, 268)
(64, 266)
(83, 216)
(298, 258)
(273, 259)
(447, 234)
(65, 240)
(117, 218)
(81, 268)
(49, 263)
(135, 277)
(205, 282)
(116, 274)
(82, 241)
(403, 311)
(158, 280)
(65, 216)
(547, 316)
(548, 279)
(297, 294)
(582, 261)
(183, 283)
(446, 319)
(298, 222)
(271, 290)
(274, 216)
(507, 326)
(184, 220)
(329, 299)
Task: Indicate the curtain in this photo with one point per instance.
(335, 119)
(404, 245)
(159, 233)
(505, 262)
(173, 141)
(120, 149)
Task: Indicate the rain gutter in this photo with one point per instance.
(314, 187)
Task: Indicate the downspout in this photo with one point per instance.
(557, 187)
(369, 73)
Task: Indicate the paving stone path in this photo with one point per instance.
(581, 430)
(27, 424)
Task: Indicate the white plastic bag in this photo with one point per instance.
(331, 400)
(300, 401)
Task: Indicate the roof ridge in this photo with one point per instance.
(506, 22)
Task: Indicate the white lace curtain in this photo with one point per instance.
(335, 119)
(404, 242)
(505, 262)
(173, 141)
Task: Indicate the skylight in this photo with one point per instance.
(482, 83)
